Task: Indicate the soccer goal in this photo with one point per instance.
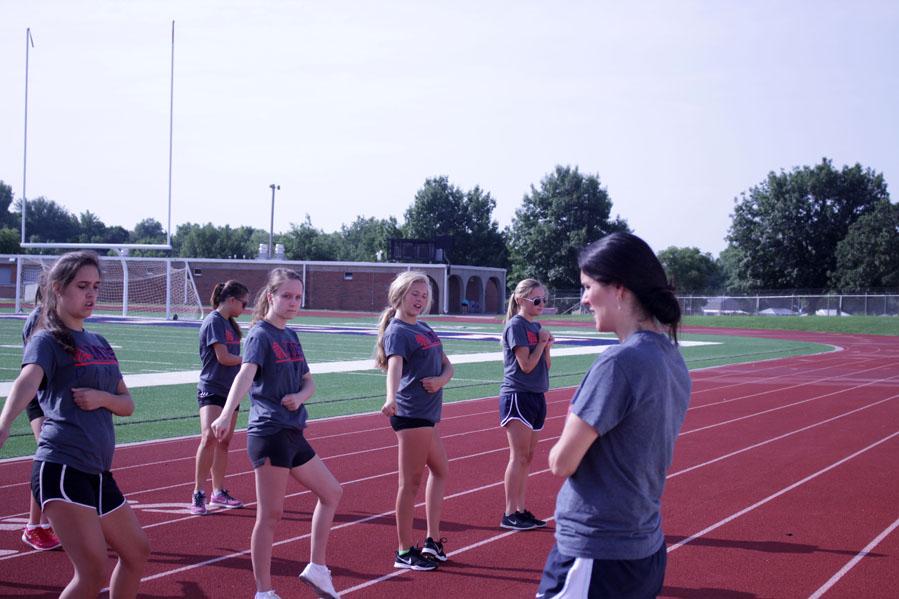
(136, 287)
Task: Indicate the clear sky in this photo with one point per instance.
(677, 106)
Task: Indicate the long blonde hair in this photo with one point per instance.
(276, 278)
(522, 290)
(395, 294)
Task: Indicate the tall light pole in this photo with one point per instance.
(271, 227)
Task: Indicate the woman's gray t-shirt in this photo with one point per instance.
(635, 396)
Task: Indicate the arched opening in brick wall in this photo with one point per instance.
(473, 292)
(455, 294)
(493, 299)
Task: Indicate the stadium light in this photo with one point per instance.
(271, 227)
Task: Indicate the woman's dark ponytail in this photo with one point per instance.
(229, 289)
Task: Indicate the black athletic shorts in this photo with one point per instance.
(287, 448)
(529, 408)
(33, 409)
(212, 399)
(403, 422)
(565, 577)
(58, 482)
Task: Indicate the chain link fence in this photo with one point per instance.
(882, 304)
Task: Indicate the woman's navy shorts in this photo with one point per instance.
(529, 408)
(568, 577)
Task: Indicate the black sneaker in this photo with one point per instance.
(434, 549)
(529, 516)
(412, 560)
(516, 522)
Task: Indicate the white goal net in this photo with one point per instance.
(136, 287)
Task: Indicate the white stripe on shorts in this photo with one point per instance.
(577, 583)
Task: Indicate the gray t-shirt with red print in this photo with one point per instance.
(422, 354)
(281, 367)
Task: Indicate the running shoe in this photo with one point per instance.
(224, 499)
(319, 578)
(40, 538)
(434, 549)
(413, 560)
(198, 504)
(517, 521)
(529, 516)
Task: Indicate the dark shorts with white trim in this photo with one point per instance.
(529, 408)
(58, 482)
(569, 577)
(287, 448)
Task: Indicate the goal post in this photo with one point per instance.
(132, 286)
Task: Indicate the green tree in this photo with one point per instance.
(9, 241)
(787, 228)
(567, 212)
(729, 266)
(441, 209)
(690, 270)
(208, 241)
(868, 256)
(305, 242)
(91, 228)
(7, 218)
(148, 230)
(362, 240)
(47, 221)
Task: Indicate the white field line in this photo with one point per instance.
(855, 560)
(158, 379)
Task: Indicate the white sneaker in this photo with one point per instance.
(267, 595)
(319, 578)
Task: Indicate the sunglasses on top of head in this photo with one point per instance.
(536, 301)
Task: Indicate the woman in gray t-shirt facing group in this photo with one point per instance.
(618, 440)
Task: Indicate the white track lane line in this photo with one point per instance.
(681, 543)
(777, 494)
(855, 560)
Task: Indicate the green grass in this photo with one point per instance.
(170, 411)
(870, 325)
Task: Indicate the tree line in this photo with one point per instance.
(810, 228)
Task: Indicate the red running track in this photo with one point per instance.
(783, 485)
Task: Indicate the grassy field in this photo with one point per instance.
(170, 410)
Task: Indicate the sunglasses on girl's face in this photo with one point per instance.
(536, 301)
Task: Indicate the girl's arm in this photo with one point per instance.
(394, 374)
(23, 391)
(569, 450)
(293, 401)
(432, 384)
(527, 359)
(242, 382)
(119, 403)
(224, 357)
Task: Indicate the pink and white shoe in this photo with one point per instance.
(224, 499)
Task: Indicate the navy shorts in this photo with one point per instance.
(33, 409)
(568, 577)
(399, 423)
(529, 408)
(287, 448)
(58, 482)
(212, 399)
